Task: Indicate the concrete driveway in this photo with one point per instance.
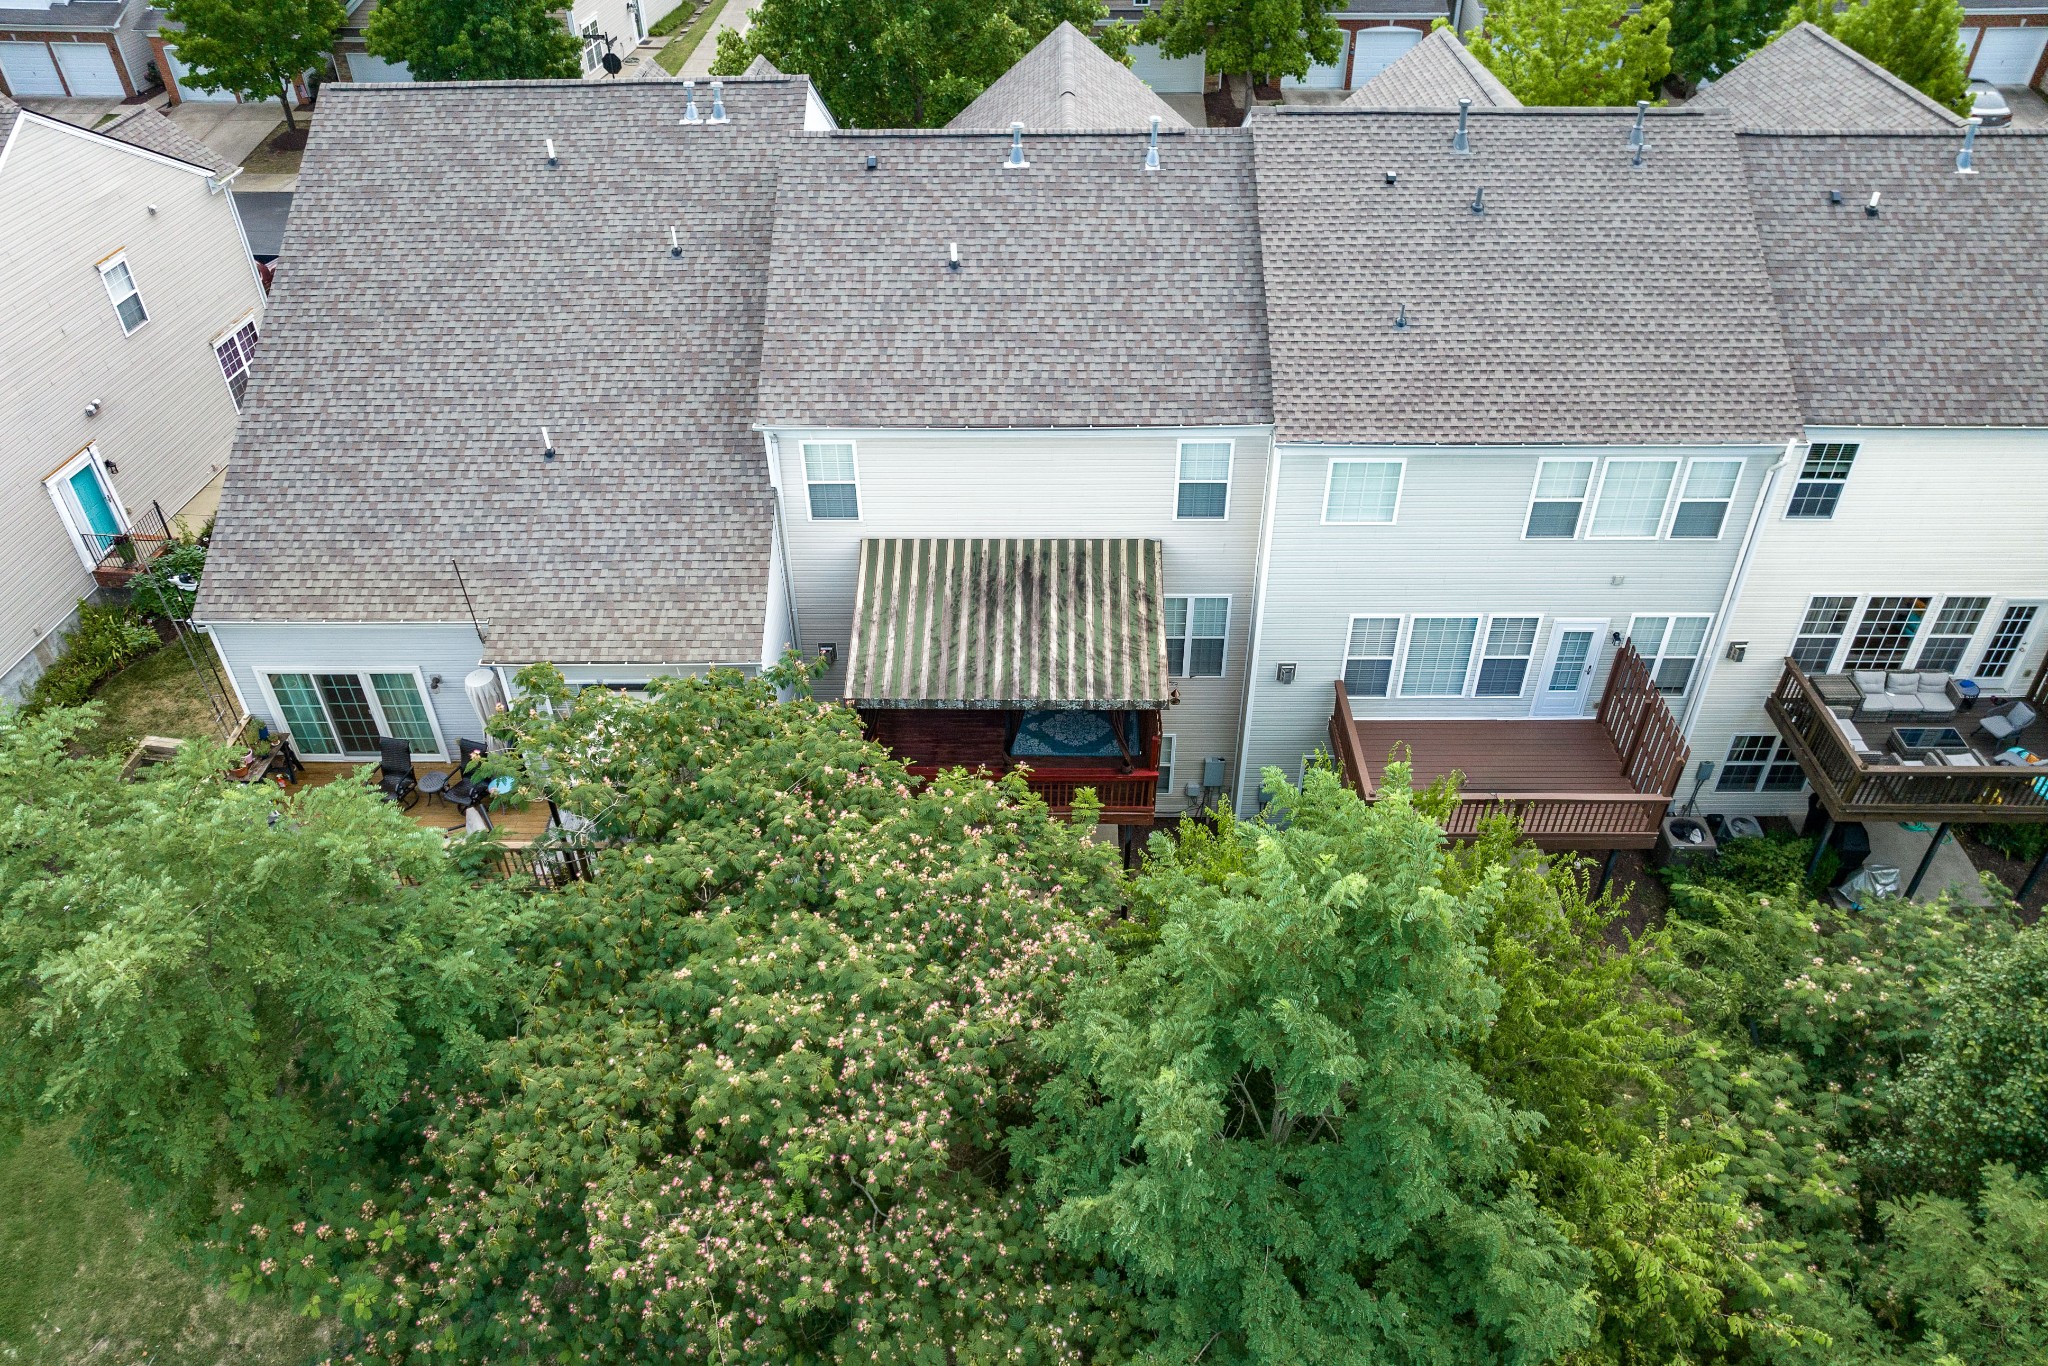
(232, 130)
(2029, 109)
(81, 113)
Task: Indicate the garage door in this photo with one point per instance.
(1377, 48)
(1329, 77)
(1169, 75)
(29, 69)
(2008, 56)
(363, 67)
(89, 69)
(180, 71)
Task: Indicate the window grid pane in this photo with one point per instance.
(1505, 666)
(1176, 616)
(1886, 633)
(1205, 461)
(404, 712)
(1553, 520)
(1212, 617)
(1367, 677)
(302, 715)
(1632, 497)
(2006, 641)
(1202, 500)
(1374, 636)
(1647, 635)
(1821, 631)
(1439, 652)
(834, 503)
(1564, 479)
(348, 706)
(1363, 490)
(1165, 765)
(1820, 480)
(828, 462)
(1747, 757)
(1369, 665)
(1698, 521)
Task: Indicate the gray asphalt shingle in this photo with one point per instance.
(445, 294)
(1805, 80)
(1929, 313)
(143, 127)
(1434, 74)
(1091, 292)
(1067, 82)
(1592, 300)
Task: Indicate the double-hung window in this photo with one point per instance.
(830, 476)
(121, 288)
(1759, 763)
(2007, 640)
(1204, 490)
(1165, 787)
(1703, 503)
(1195, 631)
(1821, 479)
(1821, 631)
(1949, 635)
(1504, 664)
(1886, 632)
(340, 714)
(1670, 646)
(234, 352)
(1560, 499)
(1632, 498)
(1369, 656)
(1439, 656)
(593, 45)
(1363, 491)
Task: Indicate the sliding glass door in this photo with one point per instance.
(340, 715)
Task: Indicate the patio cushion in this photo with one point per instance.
(1881, 704)
(1908, 703)
(1899, 681)
(1933, 682)
(1868, 681)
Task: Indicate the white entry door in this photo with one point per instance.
(1566, 683)
(2008, 56)
(29, 69)
(89, 69)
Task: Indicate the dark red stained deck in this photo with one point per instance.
(929, 739)
(1598, 783)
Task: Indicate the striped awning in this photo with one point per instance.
(1009, 624)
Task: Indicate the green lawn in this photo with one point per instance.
(158, 694)
(84, 1278)
(672, 57)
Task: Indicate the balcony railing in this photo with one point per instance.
(1853, 788)
(119, 557)
(1127, 798)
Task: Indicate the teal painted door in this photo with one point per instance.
(97, 509)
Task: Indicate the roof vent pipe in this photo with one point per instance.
(952, 256)
(1967, 158)
(1401, 319)
(1152, 147)
(1016, 160)
(690, 114)
(552, 159)
(1637, 159)
(675, 243)
(1461, 141)
(1479, 200)
(718, 101)
(1635, 137)
(1870, 209)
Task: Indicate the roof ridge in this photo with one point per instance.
(1899, 83)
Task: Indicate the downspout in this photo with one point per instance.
(1251, 649)
(771, 445)
(1733, 593)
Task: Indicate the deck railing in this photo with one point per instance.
(1855, 788)
(119, 557)
(1127, 798)
(1644, 734)
(553, 860)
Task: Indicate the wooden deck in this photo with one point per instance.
(1599, 783)
(515, 827)
(930, 739)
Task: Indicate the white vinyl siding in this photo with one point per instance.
(833, 481)
(1633, 494)
(1203, 488)
(1363, 491)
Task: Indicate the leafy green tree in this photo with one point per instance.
(223, 983)
(1265, 1122)
(475, 40)
(905, 63)
(1915, 40)
(1708, 37)
(1979, 1093)
(758, 1110)
(254, 48)
(1576, 52)
(1970, 1289)
(1246, 39)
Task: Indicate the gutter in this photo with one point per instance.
(1733, 593)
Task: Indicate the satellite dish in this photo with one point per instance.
(612, 65)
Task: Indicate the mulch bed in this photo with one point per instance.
(292, 140)
(2007, 869)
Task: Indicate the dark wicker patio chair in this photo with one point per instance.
(397, 778)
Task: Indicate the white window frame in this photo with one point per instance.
(1188, 636)
(1164, 783)
(1592, 513)
(53, 484)
(803, 461)
(233, 331)
(1654, 662)
(1777, 754)
(1344, 655)
(592, 34)
(1993, 613)
(1585, 499)
(1479, 655)
(1799, 631)
(1229, 470)
(1855, 450)
(105, 266)
(362, 673)
(1400, 465)
(1679, 500)
(1400, 681)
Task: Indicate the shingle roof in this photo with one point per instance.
(79, 14)
(8, 109)
(1805, 80)
(1091, 292)
(1928, 313)
(145, 128)
(1434, 74)
(445, 295)
(1067, 82)
(1592, 300)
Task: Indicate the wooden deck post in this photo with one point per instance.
(1606, 873)
(1927, 859)
(1827, 828)
(2027, 887)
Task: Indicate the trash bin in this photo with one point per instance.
(1851, 843)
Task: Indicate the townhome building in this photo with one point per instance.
(505, 416)
(74, 49)
(1528, 390)
(133, 311)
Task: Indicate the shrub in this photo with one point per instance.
(2023, 842)
(107, 640)
(154, 593)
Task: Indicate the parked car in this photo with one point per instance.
(1989, 105)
